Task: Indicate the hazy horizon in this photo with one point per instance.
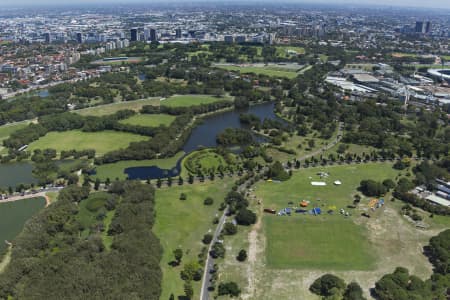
(406, 3)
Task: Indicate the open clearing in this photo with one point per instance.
(149, 120)
(102, 142)
(291, 252)
(182, 224)
(273, 71)
(191, 100)
(13, 216)
(108, 109)
(116, 170)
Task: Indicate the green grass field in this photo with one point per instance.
(7, 130)
(182, 223)
(13, 216)
(305, 241)
(115, 170)
(108, 109)
(325, 243)
(102, 142)
(153, 120)
(203, 160)
(269, 71)
(191, 100)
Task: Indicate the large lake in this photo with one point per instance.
(204, 135)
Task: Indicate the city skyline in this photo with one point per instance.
(402, 3)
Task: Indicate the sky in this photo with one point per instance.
(410, 3)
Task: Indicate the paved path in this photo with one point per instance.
(29, 196)
(209, 263)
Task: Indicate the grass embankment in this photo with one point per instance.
(149, 120)
(191, 100)
(102, 142)
(305, 241)
(108, 109)
(116, 170)
(13, 216)
(204, 160)
(182, 224)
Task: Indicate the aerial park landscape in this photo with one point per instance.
(218, 170)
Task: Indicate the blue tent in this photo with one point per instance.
(317, 210)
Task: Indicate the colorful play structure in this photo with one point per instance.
(376, 203)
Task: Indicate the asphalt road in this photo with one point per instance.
(209, 263)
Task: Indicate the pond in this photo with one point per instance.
(204, 135)
(12, 174)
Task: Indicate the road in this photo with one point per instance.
(209, 263)
(41, 193)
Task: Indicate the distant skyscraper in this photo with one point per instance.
(428, 27)
(47, 37)
(153, 36)
(79, 38)
(134, 34)
(419, 26)
(178, 33)
(146, 34)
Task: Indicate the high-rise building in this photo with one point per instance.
(428, 27)
(419, 26)
(134, 35)
(79, 38)
(146, 34)
(47, 37)
(178, 33)
(153, 36)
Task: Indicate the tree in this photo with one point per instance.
(389, 184)
(218, 250)
(191, 271)
(178, 254)
(183, 196)
(207, 238)
(188, 290)
(372, 188)
(277, 172)
(97, 184)
(245, 217)
(353, 292)
(327, 285)
(172, 297)
(229, 228)
(242, 255)
(208, 201)
(229, 288)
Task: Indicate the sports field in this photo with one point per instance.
(324, 243)
(108, 109)
(115, 170)
(191, 100)
(271, 71)
(13, 216)
(153, 120)
(182, 224)
(102, 142)
(319, 242)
